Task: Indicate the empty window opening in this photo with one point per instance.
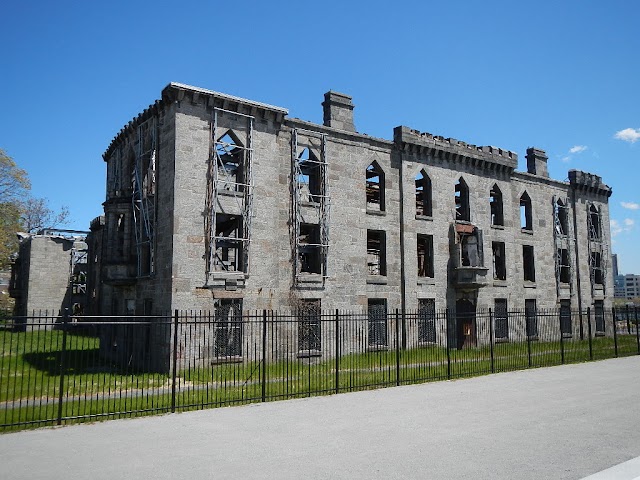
(376, 252)
(531, 317)
(425, 256)
(501, 319)
(120, 235)
(375, 187)
(229, 243)
(227, 328)
(309, 326)
(526, 215)
(377, 322)
(471, 250)
(598, 308)
(562, 224)
(462, 201)
(594, 223)
(309, 249)
(528, 263)
(565, 317)
(596, 268)
(309, 176)
(495, 201)
(423, 194)
(564, 266)
(230, 160)
(499, 261)
(427, 320)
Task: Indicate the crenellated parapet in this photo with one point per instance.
(451, 149)
(589, 183)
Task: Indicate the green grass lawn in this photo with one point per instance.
(94, 388)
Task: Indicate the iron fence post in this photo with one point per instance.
(337, 351)
(635, 321)
(615, 330)
(628, 321)
(561, 338)
(174, 367)
(65, 324)
(397, 347)
(493, 370)
(264, 355)
(448, 347)
(590, 333)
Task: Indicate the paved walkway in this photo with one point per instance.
(553, 423)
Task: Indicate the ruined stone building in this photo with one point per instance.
(49, 274)
(218, 202)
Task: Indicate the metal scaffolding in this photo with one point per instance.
(563, 237)
(229, 180)
(597, 248)
(310, 190)
(144, 196)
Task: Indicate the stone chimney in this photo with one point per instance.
(537, 162)
(338, 111)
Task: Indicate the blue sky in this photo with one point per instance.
(559, 75)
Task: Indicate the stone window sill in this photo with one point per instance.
(499, 283)
(377, 348)
(426, 281)
(427, 218)
(530, 284)
(376, 280)
(526, 231)
(230, 359)
(380, 213)
(497, 227)
(309, 353)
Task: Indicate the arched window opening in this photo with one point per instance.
(230, 156)
(423, 194)
(526, 214)
(462, 201)
(375, 187)
(495, 200)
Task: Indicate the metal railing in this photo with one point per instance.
(59, 369)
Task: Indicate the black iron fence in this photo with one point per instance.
(59, 369)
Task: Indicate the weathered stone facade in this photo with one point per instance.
(49, 275)
(321, 212)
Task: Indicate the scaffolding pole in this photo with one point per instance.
(144, 196)
(318, 200)
(221, 179)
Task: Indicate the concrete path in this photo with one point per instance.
(553, 423)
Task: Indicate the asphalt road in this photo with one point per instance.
(564, 422)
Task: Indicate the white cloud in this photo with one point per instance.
(566, 159)
(617, 229)
(628, 135)
(630, 205)
(577, 149)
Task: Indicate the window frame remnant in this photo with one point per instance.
(376, 252)
(377, 337)
(501, 320)
(528, 263)
(308, 313)
(229, 255)
(595, 230)
(375, 187)
(425, 258)
(227, 328)
(599, 319)
(526, 213)
(596, 268)
(424, 194)
(310, 176)
(562, 214)
(470, 246)
(461, 195)
(496, 206)
(426, 320)
(499, 261)
(230, 153)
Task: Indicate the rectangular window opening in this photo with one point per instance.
(229, 243)
(531, 318)
(598, 307)
(309, 326)
(565, 318)
(377, 323)
(499, 262)
(528, 263)
(309, 249)
(565, 267)
(425, 256)
(376, 252)
(427, 320)
(227, 328)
